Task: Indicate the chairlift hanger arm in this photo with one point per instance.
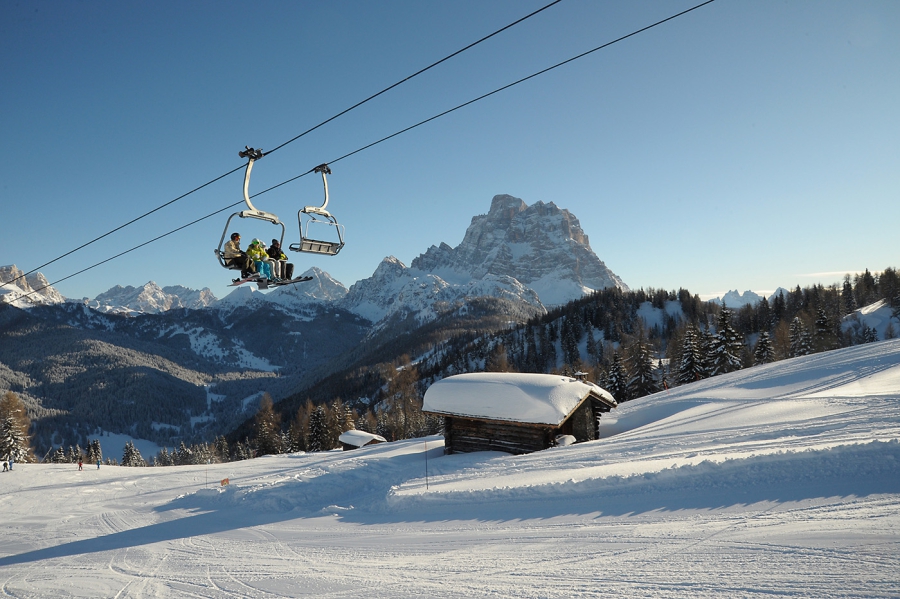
(307, 243)
(252, 155)
(324, 169)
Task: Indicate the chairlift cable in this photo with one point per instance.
(373, 96)
(583, 54)
(357, 105)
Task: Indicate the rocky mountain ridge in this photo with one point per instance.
(24, 291)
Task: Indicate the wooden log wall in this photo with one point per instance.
(462, 435)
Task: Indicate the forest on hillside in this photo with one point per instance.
(602, 334)
(632, 343)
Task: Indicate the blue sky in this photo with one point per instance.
(746, 145)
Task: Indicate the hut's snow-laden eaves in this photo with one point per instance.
(515, 412)
(514, 397)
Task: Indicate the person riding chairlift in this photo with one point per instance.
(283, 269)
(235, 256)
(257, 253)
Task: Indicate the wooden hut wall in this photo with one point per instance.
(462, 435)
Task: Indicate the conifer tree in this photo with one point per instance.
(825, 337)
(548, 347)
(94, 452)
(223, 453)
(641, 375)
(847, 299)
(798, 343)
(183, 455)
(895, 307)
(691, 367)
(764, 353)
(131, 456)
(617, 379)
(163, 458)
(267, 426)
(14, 425)
(727, 346)
(317, 429)
(59, 456)
(706, 342)
(334, 419)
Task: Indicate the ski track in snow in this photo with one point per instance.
(778, 481)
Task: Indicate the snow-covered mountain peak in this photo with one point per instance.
(323, 288)
(534, 255)
(151, 299)
(542, 246)
(735, 299)
(26, 291)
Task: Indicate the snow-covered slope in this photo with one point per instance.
(779, 480)
(877, 316)
(25, 291)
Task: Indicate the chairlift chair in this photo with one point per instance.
(252, 156)
(318, 215)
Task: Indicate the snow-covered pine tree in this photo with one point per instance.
(617, 379)
(94, 452)
(798, 347)
(691, 367)
(806, 342)
(764, 353)
(223, 453)
(318, 430)
(847, 299)
(14, 425)
(131, 456)
(349, 419)
(727, 346)
(163, 458)
(59, 456)
(825, 337)
(267, 425)
(641, 375)
(705, 341)
(869, 334)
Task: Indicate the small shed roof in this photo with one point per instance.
(359, 438)
(515, 397)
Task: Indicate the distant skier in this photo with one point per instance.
(80, 464)
(5, 465)
(11, 460)
(98, 463)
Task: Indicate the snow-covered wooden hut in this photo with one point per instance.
(516, 413)
(354, 439)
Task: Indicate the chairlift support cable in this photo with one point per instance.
(293, 139)
(292, 179)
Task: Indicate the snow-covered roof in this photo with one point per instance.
(359, 438)
(516, 397)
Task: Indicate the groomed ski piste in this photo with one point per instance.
(775, 481)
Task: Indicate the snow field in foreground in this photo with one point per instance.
(779, 480)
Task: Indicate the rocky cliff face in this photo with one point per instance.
(532, 255)
(22, 292)
(541, 246)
